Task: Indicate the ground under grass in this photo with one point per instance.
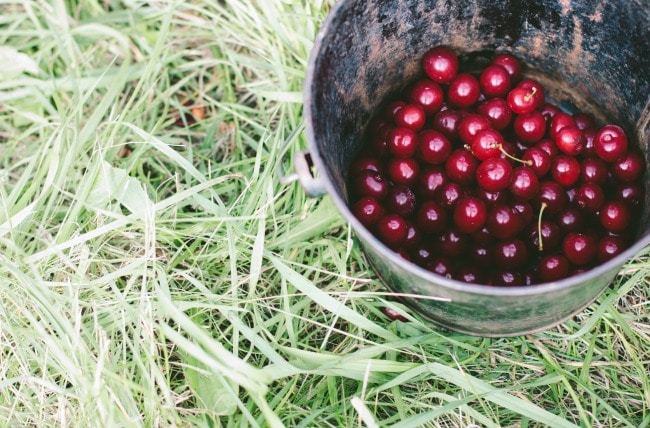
(154, 271)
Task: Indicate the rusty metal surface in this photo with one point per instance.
(595, 53)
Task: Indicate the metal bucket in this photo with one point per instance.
(596, 54)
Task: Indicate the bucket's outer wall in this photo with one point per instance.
(594, 53)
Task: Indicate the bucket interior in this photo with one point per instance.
(593, 57)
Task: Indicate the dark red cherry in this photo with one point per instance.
(491, 198)
(494, 174)
(400, 200)
(553, 268)
(442, 266)
(593, 170)
(368, 210)
(469, 274)
(560, 120)
(431, 178)
(615, 216)
(570, 140)
(524, 183)
(413, 236)
(538, 160)
(495, 81)
(526, 97)
(589, 149)
(589, 197)
(552, 195)
(452, 242)
(549, 147)
(422, 254)
(570, 219)
(549, 111)
(630, 167)
(431, 217)
(449, 193)
(497, 110)
(469, 126)
(530, 128)
(403, 171)
(565, 170)
(511, 64)
(402, 142)
(510, 253)
(433, 146)
(610, 246)
(371, 183)
(525, 210)
(632, 193)
(393, 314)
(504, 221)
(446, 122)
(461, 166)
(411, 116)
(580, 248)
(363, 163)
(507, 278)
(610, 143)
(584, 120)
(551, 236)
(487, 144)
(464, 91)
(469, 214)
(440, 64)
(392, 229)
(481, 255)
(427, 94)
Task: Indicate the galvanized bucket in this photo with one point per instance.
(593, 53)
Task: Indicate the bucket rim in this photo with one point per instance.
(432, 280)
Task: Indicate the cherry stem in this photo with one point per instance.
(509, 156)
(539, 227)
(530, 95)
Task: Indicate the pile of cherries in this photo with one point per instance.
(476, 176)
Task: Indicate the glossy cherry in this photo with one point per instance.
(431, 217)
(446, 122)
(553, 268)
(615, 216)
(494, 174)
(565, 170)
(392, 229)
(470, 125)
(630, 167)
(440, 64)
(580, 248)
(469, 214)
(530, 128)
(433, 146)
(371, 183)
(411, 116)
(403, 171)
(497, 110)
(463, 91)
(427, 94)
(511, 64)
(504, 222)
(610, 143)
(461, 166)
(524, 183)
(400, 200)
(368, 210)
(495, 81)
(570, 140)
(402, 142)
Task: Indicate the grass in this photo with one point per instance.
(154, 272)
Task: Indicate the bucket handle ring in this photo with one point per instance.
(303, 166)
